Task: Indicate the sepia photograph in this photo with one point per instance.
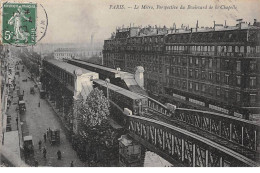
(129, 83)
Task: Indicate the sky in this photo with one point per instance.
(73, 21)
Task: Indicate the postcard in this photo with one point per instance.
(130, 83)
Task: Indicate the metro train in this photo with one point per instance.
(125, 99)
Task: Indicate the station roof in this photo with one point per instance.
(103, 68)
(119, 89)
(67, 67)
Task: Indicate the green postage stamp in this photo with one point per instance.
(19, 23)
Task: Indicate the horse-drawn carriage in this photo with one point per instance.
(54, 136)
(28, 147)
(22, 107)
(32, 90)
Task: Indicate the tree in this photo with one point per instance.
(94, 128)
(94, 110)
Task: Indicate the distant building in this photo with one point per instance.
(216, 67)
(79, 53)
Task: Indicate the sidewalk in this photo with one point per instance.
(68, 129)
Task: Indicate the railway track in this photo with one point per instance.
(253, 155)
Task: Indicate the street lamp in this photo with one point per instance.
(63, 97)
(107, 81)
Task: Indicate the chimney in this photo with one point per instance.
(214, 24)
(225, 23)
(92, 39)
(197, 25)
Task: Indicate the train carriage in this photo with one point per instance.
(123, 98)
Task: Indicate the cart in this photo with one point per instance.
(54, 136)
(32, 90)
(22, 107)
(42, 94)
(28, 147)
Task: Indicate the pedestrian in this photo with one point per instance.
(39, 104)
(44, 152)
(40, 144)
(44, 136)
(36, 163)
(59, 154)
(23, 92)
(71, 164)
(47, 132)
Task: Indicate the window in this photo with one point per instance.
(197, 61)
(178, 71)
(184, 61)
(210, 75)
(179, 60)
(257, 49)
(218, 77)
(190, 60)
(190, 72)
(238, 66)
(229, 48)
(236, 49)
(210, 63)
(238, 97)
(226, 79)
(248, 49)
(226, 94)
(238, 80)
(203, 62)
(184, 85)
(203, 75)
(252, 65)
(242, 49)
(197, 87)
(184, 72)
(252, 81)
(178, 83)
(252, 98)
(218, 91)
(227, 64)
(190, 85)
(210, 90)
(203, 88)
(212, 48)
(218, 63)
(196, 74)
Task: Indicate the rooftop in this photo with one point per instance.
(67, 67)
(157, 30)
(120, 73)
(119, 89)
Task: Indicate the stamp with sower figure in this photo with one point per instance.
(19, 23)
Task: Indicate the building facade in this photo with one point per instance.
(216, 67)
(80, 53)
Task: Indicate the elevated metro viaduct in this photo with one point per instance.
(188, 137)
(64, 84)
(122, 79)
(232, 141)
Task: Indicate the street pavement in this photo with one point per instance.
(35, 122)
